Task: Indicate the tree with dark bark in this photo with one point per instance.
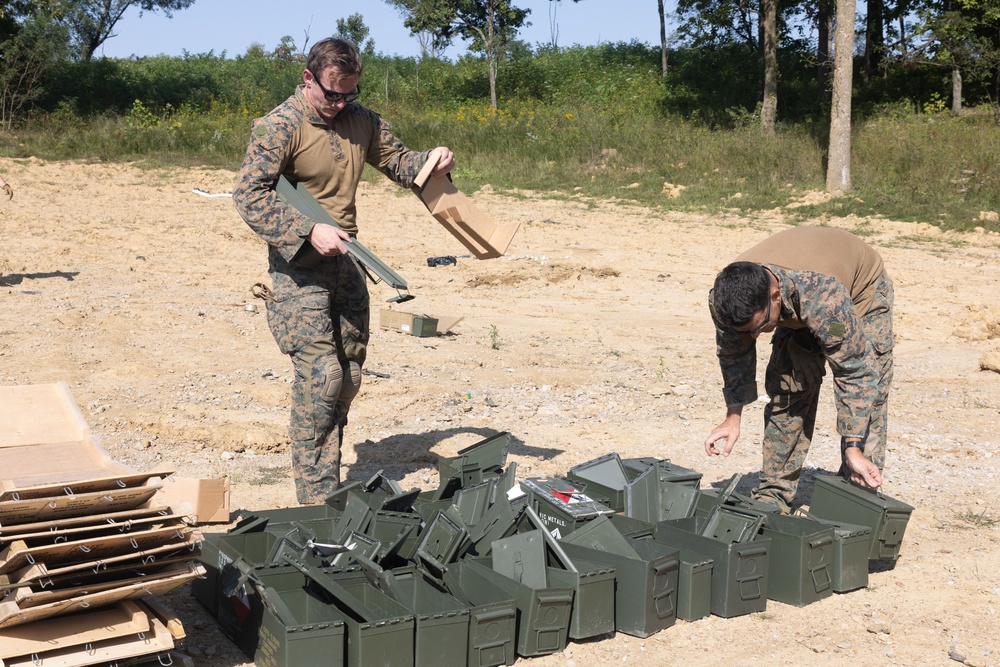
(489, 24)
(92, 22)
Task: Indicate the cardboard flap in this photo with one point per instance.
(464, 221)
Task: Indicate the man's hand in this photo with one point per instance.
(328, 240)
(9, 190)
(728, 430)
(864, 472)
(446, 161)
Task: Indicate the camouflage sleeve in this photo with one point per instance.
(738, 360)
(388, 154)
(830, 315)
(280, 225)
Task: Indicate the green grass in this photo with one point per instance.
(977, 520)
(931, 168)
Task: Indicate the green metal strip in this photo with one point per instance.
(305, 203)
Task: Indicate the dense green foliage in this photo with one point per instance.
(599, 121)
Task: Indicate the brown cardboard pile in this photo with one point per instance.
(84, 544)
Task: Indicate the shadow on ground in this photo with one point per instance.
(398, 455)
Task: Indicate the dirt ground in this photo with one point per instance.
(591, 336)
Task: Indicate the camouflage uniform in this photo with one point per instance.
(818, 324)
(318, 307)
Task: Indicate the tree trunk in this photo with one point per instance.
(874, 38)
(491, 56)
(824, 49)
(838, 170)
(769, 107)
(956, 91)
(663, 38)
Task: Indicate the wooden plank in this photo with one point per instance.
(8, 533)
(41, 571)
(149, 643)
(167, 615)
(86, 504)
(19, 555)
(11, 614)
(125, 618)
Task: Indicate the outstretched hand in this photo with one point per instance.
(728, 430)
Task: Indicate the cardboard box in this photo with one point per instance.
(416, 325)
(459, 215)
(209, 498)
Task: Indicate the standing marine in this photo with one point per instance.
(317, 307)
(825, 295)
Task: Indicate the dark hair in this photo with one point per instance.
(741, 289)
(335, 53)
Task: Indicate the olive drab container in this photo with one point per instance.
(836, 499)
(850, 553)
(380, 631)
(694, 586)
(740, 571)
(517, 565)
(593, 584)
(441, 621)
(645, 572)
(800, 560)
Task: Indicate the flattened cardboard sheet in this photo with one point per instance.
(37, 413)
(157, 640)
(20, 554)
(27, 596)
(8, 533)
(81, 485)
(188, 546)
(102, 524)
(12, 614)
(125, 618)
(34, 510)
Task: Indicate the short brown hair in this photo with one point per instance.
(334, 53)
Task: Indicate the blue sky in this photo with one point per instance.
(232, 25)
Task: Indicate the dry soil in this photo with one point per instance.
(590, 336)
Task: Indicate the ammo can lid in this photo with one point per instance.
(565, 496)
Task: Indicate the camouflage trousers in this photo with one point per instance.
(792, 380)
(323, 327)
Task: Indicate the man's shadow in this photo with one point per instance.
(18, 278)
(398, 455)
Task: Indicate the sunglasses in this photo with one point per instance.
(334, 96)
(764, 323)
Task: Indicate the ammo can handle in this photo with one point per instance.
(755, 551)
(821, 542)
(549, 596)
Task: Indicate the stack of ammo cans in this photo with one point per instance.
(486, 568)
